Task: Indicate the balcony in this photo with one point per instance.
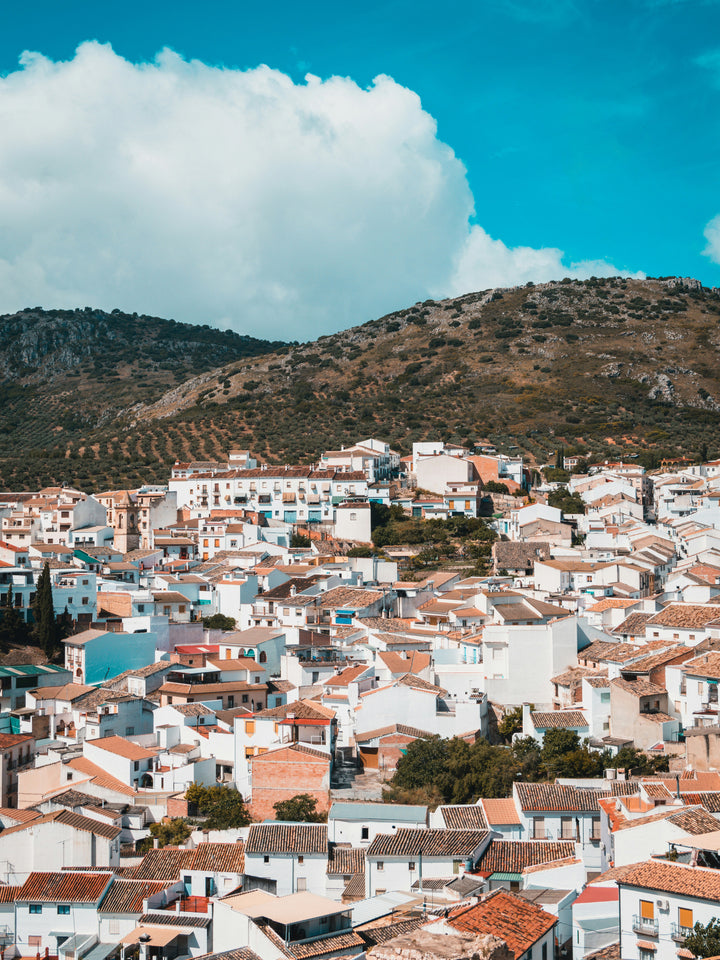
(679, 933)
(645, 926)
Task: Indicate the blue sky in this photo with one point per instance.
(590, 127)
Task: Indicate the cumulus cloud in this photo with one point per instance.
(484, 262)
(232, 197)
(712, 235)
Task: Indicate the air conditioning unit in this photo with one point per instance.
(663, 905)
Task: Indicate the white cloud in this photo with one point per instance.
(485, 263)
(233, 197)
(712, 235)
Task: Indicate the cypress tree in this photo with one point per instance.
(45, 629)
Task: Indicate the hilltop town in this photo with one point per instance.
(342, 709)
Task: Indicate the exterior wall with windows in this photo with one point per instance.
(655, 923)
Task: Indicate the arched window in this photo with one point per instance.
(263, 657)
(250, 653)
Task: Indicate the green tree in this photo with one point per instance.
(171, 832)
(301, 808)
(13, 629)
(511, 723)
(556, 743)
(704, 941)
(299, 540)
(45, 632)
(218, 621)
(222, 808)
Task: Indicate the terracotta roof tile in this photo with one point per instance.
(513, 856)
(558, 719)
(163, 864)
(516, 921)
(305, 838)
(73, 887)
(685, 616)
(126, 896)
(466, 816)
(500, 812)
(667, 877)
(407, 842)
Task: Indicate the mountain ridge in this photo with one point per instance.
(597, 366)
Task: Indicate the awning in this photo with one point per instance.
(506, 876)
(153, 936)
(646, 945)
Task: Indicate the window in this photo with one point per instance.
(84, 601)
(301, 884)
(266, 859)
(411, 865)
(605, 697)
(141, 608)
(647, 910)
(245, 698)
(35, 908)
(365, 833)
(700, 688)
(544, 951)
(69, 600)
(380, 865)
(249, 726)
(685, 918)
(301, 859)
(645, 954)
(63, 909)
(456, 866)
(136, 765)
(538, 828)
(567, 831)
(129, 731)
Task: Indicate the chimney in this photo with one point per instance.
(677, 786)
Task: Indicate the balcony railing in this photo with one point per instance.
(646, 926)
(680, 933)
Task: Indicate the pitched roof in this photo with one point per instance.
(73, 887)
(300, 710)
(558, 719)
(163, 864)
(516, 921)
(500, 811)
(70, 819)
(694, 820)
(123, 748)
(685, 615)
(303, 838)
(98, 776)
(513, 856)
(346, 861)
(391, 729)
(668, 877)
(633, 625)
(409, 842)
(466, 816)
(638, 688)
(126, 896)
(220, 857)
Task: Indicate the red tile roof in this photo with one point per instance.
(519, 923)
(73, 887)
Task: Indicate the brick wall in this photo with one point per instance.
(177, 806)
(282, 775)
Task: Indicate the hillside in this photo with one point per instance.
(595, 365)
